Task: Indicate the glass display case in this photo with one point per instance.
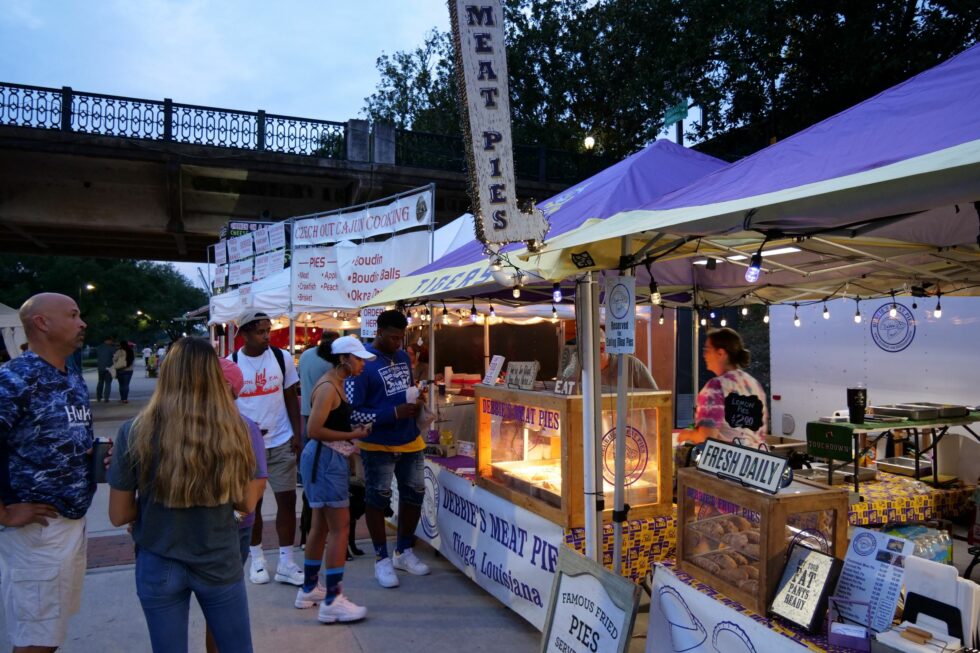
(737, 539)
(529, 451)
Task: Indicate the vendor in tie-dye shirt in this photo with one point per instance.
(732, 405)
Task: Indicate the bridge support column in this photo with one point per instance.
(358, 141)
(383, 142)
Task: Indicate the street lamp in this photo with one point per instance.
(88, 286)
(589, 142)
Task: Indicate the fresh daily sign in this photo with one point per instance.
(753, 467)
(409, 211)
(478, 35)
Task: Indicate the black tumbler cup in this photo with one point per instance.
(857, 401)
(100, 449)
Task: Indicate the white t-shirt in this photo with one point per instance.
(261, 399)
(147, 352)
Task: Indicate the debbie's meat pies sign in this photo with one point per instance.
(478, 35)
(753, 467)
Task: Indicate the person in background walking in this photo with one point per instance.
(122, 363)
(183, 468)
(147, 352)
(326, 475)
(103, 358)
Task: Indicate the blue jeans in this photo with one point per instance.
(408, 468)
(164, 588)
(104, 386)
(124, 377)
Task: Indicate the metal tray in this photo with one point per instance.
(911, 411)
(945, 410)
(842, 475)
(905, 465)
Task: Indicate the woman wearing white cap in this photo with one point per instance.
(326, 475)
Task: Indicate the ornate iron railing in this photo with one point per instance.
(164, 120)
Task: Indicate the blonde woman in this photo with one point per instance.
(181, 470)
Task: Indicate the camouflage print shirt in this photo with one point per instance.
(45, 431)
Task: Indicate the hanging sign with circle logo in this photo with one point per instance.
(620, 315)
(893, 334)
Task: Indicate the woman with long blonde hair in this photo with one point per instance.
(181, 470)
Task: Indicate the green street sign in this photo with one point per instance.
(829, 441)
(675, 113)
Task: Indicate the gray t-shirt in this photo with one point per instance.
(311, 368)
(204, 539)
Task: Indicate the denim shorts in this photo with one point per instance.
(407, 467)
(327, 485)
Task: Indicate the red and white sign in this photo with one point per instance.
(349, 275)
(405, 212)
(220, 253)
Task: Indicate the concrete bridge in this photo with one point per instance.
(100, 175)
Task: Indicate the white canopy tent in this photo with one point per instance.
(12, 330)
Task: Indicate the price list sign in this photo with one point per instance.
(873, 571)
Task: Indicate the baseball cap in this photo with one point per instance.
(250, 316)
(233, 375)
(351, 345)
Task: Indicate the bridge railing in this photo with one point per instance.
(164, 120)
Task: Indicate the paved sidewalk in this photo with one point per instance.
(444, 611)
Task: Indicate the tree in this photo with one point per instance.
(759, 70)
(137, 300)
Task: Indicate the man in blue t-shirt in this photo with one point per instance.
(384, 395)
(46, 479)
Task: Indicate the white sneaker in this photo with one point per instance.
(385, 573)
(340, 610)
(408, 561)
(290, 573)
(257, 574)
(311, 598)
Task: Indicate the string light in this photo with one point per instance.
(711, 315)
(796, 317)
(765, 318)
(516, 292)
(473, 313)
(655, 297)
(826, 312)
(335, 314)
(445, 314)
(358, 317)
(723, 322)
(745, 310)
(704, 320)
(857, 311)
(660, 321)
(495, 265)
(493, 314)
(308, 317)
(938, 313)
(556, 295)
(755, 266)
(554, 313)
(893, 311)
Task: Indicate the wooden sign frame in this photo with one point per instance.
(797, 586)
(522, 370)
(591, 629)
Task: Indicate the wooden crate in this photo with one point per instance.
(729, 536)
(555, 424)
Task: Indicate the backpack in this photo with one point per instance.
(280, 358)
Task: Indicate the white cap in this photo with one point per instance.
(351, 345)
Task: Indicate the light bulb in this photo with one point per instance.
(796, 321)
(711, 315)
(723, 322)
(745, 310)
(408, 319)
(755, 267)
(358, 318)
(655, 297)
(516, 292)
(660, 320)
(857, 317)
(556, 295)
(495, 265)
(554, 313)
(826, 313)
(335, 313)
(308, 317)
(893, 311)
(938, 313)
(765, 318)
(703, 322)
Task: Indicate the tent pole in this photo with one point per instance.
(588, 346)
(292, 335)
(486, 344)
(623, 362)
(695, 346)
(433, 395)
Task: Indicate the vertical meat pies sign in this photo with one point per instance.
(478, 34)
(752, 467)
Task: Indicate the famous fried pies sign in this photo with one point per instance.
(478, 35)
